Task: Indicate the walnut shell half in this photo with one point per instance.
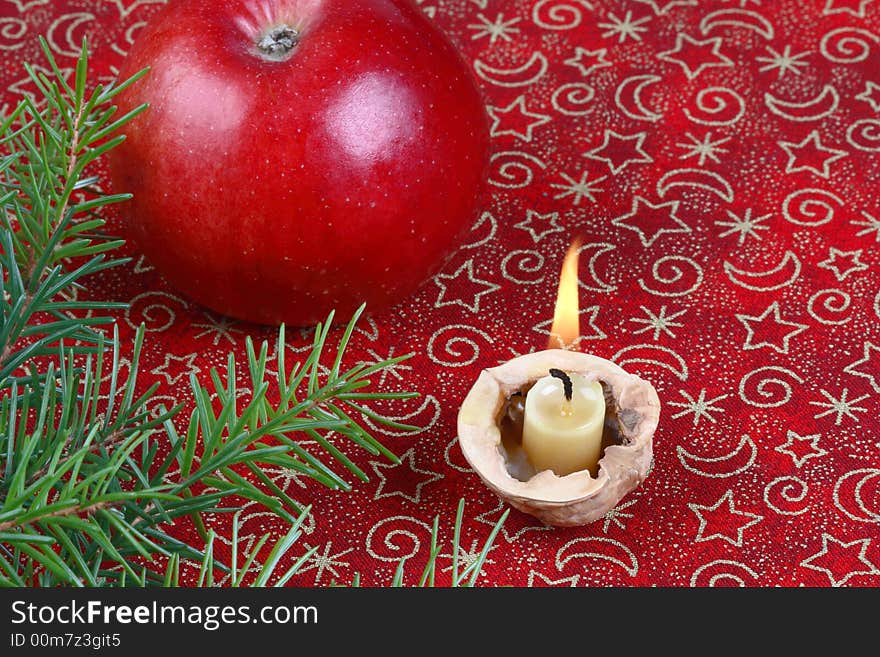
(577, 498)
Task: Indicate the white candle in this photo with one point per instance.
(564, 434)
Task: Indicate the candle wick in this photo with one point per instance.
(566, 382)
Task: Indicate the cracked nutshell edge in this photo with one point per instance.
(577, 498)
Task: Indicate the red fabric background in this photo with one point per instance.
(762, 254)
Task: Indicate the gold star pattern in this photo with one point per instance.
(721, 518)
(871, 95)
(619, 151)
(651, 221)
(853, 7)
(186, 365)
(763, 330)
(867, 367)
(587, 61)
(455, 288)
(695, 56)
(540, 225)
(509, 120)
(843, 263)
(661, 7)
(409, 488)
(842, 561)
(803, 155)
(801, 448)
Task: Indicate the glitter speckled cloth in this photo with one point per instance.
(722, 161)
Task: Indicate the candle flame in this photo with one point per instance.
(566, 320)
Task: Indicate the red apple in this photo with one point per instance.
(299, 156)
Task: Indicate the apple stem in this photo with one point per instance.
(278, 42)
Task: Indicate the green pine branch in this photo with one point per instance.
(85, 492)
(51, 235)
